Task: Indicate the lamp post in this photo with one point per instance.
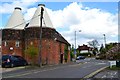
(75, 45)
(105, 43)
(104, 40)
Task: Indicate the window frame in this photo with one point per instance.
(5, 43)
(17, 44)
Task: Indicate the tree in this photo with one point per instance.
(66, 53)
(72, 53)
(94, 44)
(109, 46)
(78, 53)
(102, 49)
(32, 52)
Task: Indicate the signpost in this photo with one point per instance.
(112, 63)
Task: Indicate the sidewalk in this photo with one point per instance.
(106, 73)
(4, 70)
(10, 69)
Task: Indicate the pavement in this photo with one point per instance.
(111, 74)
(5, 70)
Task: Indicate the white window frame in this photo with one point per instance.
(17, 44)
(5, 43)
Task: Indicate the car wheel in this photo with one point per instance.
(12, 65)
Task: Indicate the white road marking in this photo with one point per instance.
(100, 63)
(104, 76)
(87, 66)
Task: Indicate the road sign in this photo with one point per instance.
(74, 51)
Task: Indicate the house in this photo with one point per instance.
(12, 34)
(17, 36)
(84, 49)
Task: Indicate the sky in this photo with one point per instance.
(93, 18)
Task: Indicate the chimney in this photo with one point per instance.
(35, 21)
(16, 20)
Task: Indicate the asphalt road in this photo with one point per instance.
(80, 69)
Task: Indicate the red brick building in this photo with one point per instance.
(15, 39)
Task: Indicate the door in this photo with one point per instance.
(61, 58)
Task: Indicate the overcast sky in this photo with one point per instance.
(93, 18)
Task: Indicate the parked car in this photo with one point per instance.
(13, 60)
(80, 57)
(98, 57)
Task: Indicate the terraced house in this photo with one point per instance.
(19, 35)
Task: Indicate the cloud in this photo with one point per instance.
(29, 13)
(93, 22)
(8, 7)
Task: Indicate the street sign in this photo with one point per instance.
(74, 51)
(112, 63)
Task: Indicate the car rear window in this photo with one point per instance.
(5, 57)
(19, 57)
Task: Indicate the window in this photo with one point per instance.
(31, 43)
(5, 43)
(17, 44)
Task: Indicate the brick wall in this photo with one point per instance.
(14, 50)
(51, 51)
(51, 48)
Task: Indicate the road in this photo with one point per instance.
(80, 69)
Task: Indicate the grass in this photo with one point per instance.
(114, 68)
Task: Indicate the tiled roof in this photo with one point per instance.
(12, 34)
(84, 47)
(49, 33)
(35, 21)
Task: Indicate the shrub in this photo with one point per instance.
(32, 52)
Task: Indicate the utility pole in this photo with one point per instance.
(40, 41)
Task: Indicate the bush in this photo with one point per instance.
(32, 52)
(114, 68)
(117, 56)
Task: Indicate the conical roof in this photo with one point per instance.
(35, 21)
(16, 20)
